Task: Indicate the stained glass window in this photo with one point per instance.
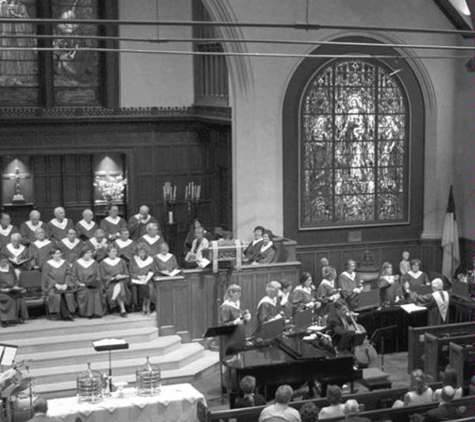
(353, 147)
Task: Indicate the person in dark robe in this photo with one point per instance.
(164, 263)
(125, 245)
(58, 285)
(152, 239)
(350, 284)
(138, 223)
(12, 304)
(326, 291)
(87, 277)
(269, 307)
(389, 285)
(303, 296)
(18, 254)
(414, 278)
(253, 249)
(6, 229)
(141, 272)
(59, 225)
(194, 258)
(71, 246)
(113, 224)
(437, 303)
(284, 298)
(339, 325)
(99, 245)
(267, 253)
(28, 228)
(40, 249)
(86, 228)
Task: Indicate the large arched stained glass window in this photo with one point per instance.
(353, 147)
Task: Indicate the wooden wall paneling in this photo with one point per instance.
(165, 302)
(182, 312)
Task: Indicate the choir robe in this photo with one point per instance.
(325, 290)
(137, 268)
(125, 249)
(347, 283)
(21, 254)
(414, 280)
(6, 234)
(389, 292)
(267, 309)
(113, 226)
(138, 228)
(11, 307)
(86, 230)
(57, 273)
(89, 298)
(267, 254)
(228, 313)
(153, 243)
(162, 263)
(58, 231)
(438, 304)
(28, 231)
(300, 298)
(99, 248)
(108, 270)
(71, 251)
(252, 250)
(40, 251)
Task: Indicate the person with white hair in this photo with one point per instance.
(446, 411)
(6, 229)
(138, 223)
(269, 307)
(28, 228)
(86, 228)
(152, 239)
(351, 409)
(437, 303)
(18, 254)
(59, 225)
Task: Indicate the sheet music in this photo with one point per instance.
(8, 356)
(410, 308)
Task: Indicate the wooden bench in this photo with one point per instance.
(416, 340)
(462, 359)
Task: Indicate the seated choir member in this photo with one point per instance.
(6, 229)
(405, 264)
(125, 245)
(446, 411)
(99, 245)
(194, 258)
(89, 286)
(449, 379)
(309, 412)
(269, 307)
(284, 298)
(326, 292)
(267, 253)
(350, 284)
(437, 303)
(351, 410)
(138, 223)
(59, 226)
(414, 277)
(56, 277)
(152, 238)
(253, 249)
(303, 296)
(389, 284)
(40, 249)
(141, 270)
(18, 254)
(86, 228)
(190, 236)
(113, 224)
(115, 277)
(164, 262)
(12, 305)
(280, 410)
(28, 228)
(249, 397)
(71, 246)
(336, 408)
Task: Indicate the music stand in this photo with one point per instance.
(108, 345)
(380, 335)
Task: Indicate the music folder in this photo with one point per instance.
(219, 331)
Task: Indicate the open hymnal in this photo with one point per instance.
(171, 273)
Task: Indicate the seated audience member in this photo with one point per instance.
(446, 411)
(303, 295)
(280, 410)
(284, 298)
(419, 390)
(12, 304)
(350, 284)
(324, 263)
(414, 277)
(18, 254)
(138, 223)
(59, 226)
(152, 239)
(99, 245)
(389, 285)
(164, 263)
(253, 249)
(125, 245)
(267, 253)
(40, 410)
(86, 228)
(269, 306)
(190, 236)
(58, 285)
(194, 258)
(71, 246)
(6, 229)
(335, 410)
(88, 281)
(449, 379)
(405, 264)
(113, 224)
(351, 409)
(40, 249)
(141, 272)
(249, 397)
(115, 277)
(309, 413)
(28, 228)
(326, 291)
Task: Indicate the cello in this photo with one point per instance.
(365, 354)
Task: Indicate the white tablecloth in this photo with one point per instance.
(175, 403)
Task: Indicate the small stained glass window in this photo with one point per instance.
(353, 147)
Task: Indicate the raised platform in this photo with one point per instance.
(60, 350)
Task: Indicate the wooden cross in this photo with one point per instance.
(17, 177)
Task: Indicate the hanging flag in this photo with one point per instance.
(450, 240)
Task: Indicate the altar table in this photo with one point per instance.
(175, 403)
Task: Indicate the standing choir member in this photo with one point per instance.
(350, 284)
(88, 279)
(164, 262)
(58, 226)
(302, 297)
(115, 275)
(390, 288)
(28, 228)
(86, 227)
(99, 245)
(40, 249)
(326, 291)
(437, 303)
(125, 246)
(12, 305)
(113, 224)
(138, 223)
(267, 253)
(6, 229)
(269, 306)
(56, 277)
(141, 272)
(253, 249)
(414, 277)
(71, 246)
(18, 254)
(152, 239)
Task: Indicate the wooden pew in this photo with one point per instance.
(416, 340)
(436, 352)
(462, 359)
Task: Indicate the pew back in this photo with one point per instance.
(462, 359)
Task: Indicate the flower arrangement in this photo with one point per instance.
(111, 187)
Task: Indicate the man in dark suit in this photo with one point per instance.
(40, 409)
(446, 411)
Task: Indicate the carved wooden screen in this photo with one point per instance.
(353, 147)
